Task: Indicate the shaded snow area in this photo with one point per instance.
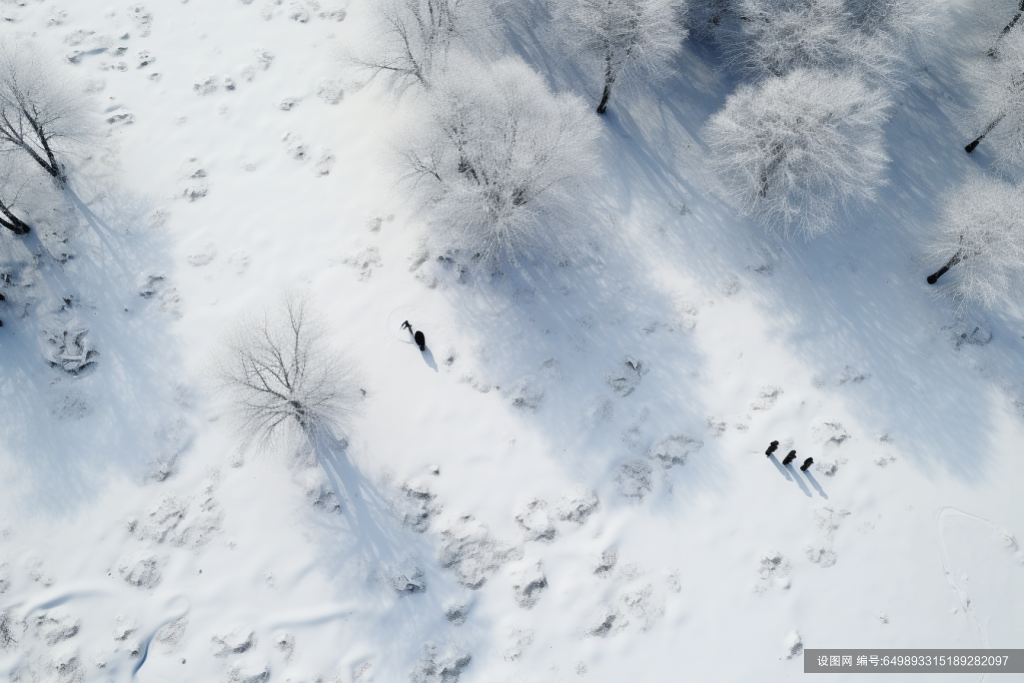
(569, 482)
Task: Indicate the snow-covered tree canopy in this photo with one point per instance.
(997, 115)
(620, 37)
(903, 20)
(415, 36)
(980, 240)
(711, 18)
(792, 151)
(779, 36)
(502, 162)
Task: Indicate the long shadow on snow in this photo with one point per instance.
(67, 434)
(833, 304)
(364, 543)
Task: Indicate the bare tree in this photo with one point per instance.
(501, 163)
(981, 235)
(282, 377)
(625, 36)
(41, 113)
(792, 151)
(15, 183)
(413, 37)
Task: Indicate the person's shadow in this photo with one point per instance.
(779, 467)
(799, 481)
(816, 485)
(429, 357)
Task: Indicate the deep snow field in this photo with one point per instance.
(570, 484)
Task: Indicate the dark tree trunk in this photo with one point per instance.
(1009, 27)
(956, 258)
(974, 143)
(609, 79)
(603, 106)
(777, 156)
(12, 222)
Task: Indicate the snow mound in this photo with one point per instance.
(626, 378)
(767, 397)
(440, 668)
(673, 450)
(821, 556)
(535, 521)
(635, 479)
(577, 505)
(139, 568)
(247, 672)
(416, 506)
(606, 563)
(773, 567)
(468, 547)
(794, 645)
(405, 578)
(526, 393)
(235, 641)
(172, 519)
(606, 621)
(528, 583)
(329, 90)
(55, 625)
(170, 636)
(641, 603)
(456, 613)
(829, 433)
(963, 333)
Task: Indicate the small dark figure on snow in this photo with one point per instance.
(417, 336)
(772, 447)
(807, 464)
(790, 457)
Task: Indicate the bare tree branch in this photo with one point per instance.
(282, 378)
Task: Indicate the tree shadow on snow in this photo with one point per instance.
(368, 543)
(68, 428)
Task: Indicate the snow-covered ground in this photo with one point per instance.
(570, 484)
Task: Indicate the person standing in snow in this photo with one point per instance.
(417, 336)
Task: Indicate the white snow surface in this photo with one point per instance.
(453, 533)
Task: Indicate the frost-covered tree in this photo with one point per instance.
(625, 37)
(16, 183)
(282, 378)
(994, 50)
(710, 19)
(904, 20)
(413, 37)
(779, 36)
(41, 113)
(502, 163)
(792, 151)
(981, 236)
(998, 111)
